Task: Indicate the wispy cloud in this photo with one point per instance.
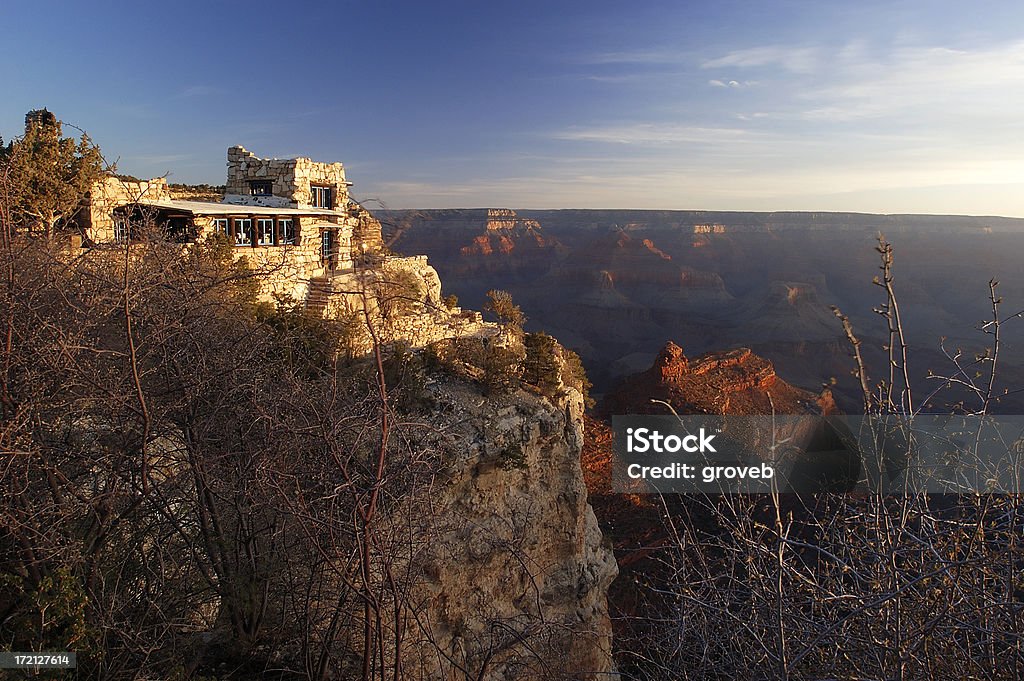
(931, 81)
(795, 59)
(731, 84)
(653, 134)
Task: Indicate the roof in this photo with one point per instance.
(212, 208)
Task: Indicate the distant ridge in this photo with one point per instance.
(742, 221)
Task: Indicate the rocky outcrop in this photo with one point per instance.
(730, 382)
(514, 584)
(403, 298)
(509, 575)
(505, 233)
(709, 229)
(475, 241)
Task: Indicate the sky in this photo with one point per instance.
(889, 107)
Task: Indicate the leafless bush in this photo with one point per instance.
(854, 586)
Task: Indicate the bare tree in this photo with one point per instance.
(861, 586)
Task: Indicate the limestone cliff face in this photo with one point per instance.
(515, 584)
(504, 569)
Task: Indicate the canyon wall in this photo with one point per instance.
(514, 583)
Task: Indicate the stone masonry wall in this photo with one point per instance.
(287, 270)
(291, 178)
(111, 192)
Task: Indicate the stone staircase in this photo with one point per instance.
(320, 290)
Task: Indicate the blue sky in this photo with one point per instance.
(866, 106)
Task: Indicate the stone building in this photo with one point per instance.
(300, 230)
(292, 215)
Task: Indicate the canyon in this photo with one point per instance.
(614, 285)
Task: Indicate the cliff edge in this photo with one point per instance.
(514, 582)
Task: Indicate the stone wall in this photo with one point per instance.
(291, 178)
(111, 192)
(288, 270)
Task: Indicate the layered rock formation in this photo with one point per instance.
(758, 280)
(735, 382)
(506, 233)
(730, 382)
(514, 584)
(473, 235)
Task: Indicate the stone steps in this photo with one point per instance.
(320, 290)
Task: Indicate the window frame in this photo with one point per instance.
(286, 238)
(236, 231)
(122, 230)
(260, 233)
(324, 192)
(261, 187)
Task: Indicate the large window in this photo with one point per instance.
(320, 196)
(261, 188)
(265, 231)
(285, 231)
(243, 231)
(257, 230)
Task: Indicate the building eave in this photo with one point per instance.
(213, 209)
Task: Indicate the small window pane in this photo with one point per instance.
(287, 232)
(220, 226)
(265, 231)
(243, 232)
(260, 188)
(120, 230)
(320, 197)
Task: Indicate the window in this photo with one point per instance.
(327, 250)
(180, 229)
(220, 226)
(320, 196)
(243, 231)
(121, 231)
(261, 188)
(285, 231)
(265, 231)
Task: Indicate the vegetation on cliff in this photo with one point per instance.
(199, 484)
(866, 585)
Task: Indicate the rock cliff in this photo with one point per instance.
(730, 382)
(514, 584)
(505, 233)
(506, 571)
